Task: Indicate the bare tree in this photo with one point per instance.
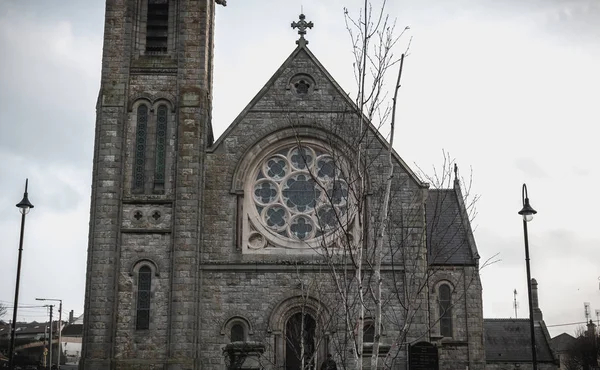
(584, 353)
(3, 309)
(370, 212)
(367, 233)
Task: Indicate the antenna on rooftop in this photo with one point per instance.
(586, 307)
(515, 303)
(598, 318)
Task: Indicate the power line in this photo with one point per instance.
(568, 324)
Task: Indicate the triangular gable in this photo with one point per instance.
(289, 62)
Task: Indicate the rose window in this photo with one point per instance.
(298, 194)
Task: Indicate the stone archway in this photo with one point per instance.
(296, 322)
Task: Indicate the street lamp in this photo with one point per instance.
(59, 328)
(527, 212)
(24, 206)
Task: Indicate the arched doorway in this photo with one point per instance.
(300, 342)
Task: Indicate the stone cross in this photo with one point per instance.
(302, 25)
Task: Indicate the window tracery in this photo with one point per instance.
(299, 197)
(161, 145)
(139, 166)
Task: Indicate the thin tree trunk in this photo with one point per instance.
(359, 254)
(383, 219)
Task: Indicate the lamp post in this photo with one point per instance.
(527, 212)
(59, 327)
(24, 206)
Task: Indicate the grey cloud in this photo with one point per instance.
(44, 113)
(530, 167)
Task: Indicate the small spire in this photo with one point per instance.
(302, 25)
(456, 181)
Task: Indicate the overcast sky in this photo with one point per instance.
(510, 89)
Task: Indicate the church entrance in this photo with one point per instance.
(300, 342)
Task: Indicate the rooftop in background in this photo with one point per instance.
(509, 340)
(562, 342)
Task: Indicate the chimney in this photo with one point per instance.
(537, 313)
(71, 317)
(591, 332)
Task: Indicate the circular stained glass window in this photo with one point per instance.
(300, 193)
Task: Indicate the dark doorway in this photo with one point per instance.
(300, 342)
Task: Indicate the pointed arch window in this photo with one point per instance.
(142, 321)
(369, 332)
(445, 306)
(300, 341)
(161, 144)
(139, 166)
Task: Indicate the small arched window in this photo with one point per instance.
(142, 321)
(445, 302)
(237, 333)
(369, 333)
(161, 145)
(139, 165)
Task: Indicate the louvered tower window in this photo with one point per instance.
(157, 27)
(445, 299)
(139, 165)
(142, 321)
(161, 143)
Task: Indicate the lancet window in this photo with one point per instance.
(445, 307)
(142, 320)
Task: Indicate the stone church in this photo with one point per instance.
(260, 248)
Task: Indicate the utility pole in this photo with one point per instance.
(515, 303)
(50, 346)
(59, 327)
(45, 345)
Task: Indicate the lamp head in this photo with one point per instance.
(527, 212)
(25, 205)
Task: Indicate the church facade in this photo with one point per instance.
(258, 249)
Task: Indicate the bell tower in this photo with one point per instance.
(152, 126)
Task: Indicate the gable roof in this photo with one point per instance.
(509, 340)
(562, 342)
(302, 49)
(450, 239)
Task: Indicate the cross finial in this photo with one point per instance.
(456, 181)
(302, 25)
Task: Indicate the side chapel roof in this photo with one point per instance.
(450, 239)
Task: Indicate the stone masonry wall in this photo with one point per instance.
(106, 189)
(130, 343)
(234, 283)
(182, 78)
(255, 294)
(466, 345)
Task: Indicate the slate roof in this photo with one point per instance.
(449, 237)
(73, 330)
(509, 340)
(23, 328)
(562, 342)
